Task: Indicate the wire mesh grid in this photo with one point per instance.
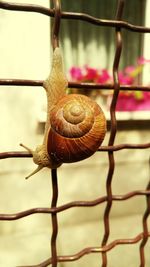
(142, 238)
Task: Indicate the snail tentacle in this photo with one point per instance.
(39, 167)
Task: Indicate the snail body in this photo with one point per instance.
(75, 125)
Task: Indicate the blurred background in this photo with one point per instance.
(25, 53)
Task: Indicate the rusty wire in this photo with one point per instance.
(113, 131)
(105, 246)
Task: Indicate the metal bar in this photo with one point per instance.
(23, 154)
(90, 86)
(56, 26)
(15, 154)
(55, 43)
(20, 82)
(88, 250)
(113, 131)
(73, 204)
(124, 146)
(54, 218)
(102, 249)
(76, 16)
(145, 226)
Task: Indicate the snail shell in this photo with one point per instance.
(75, 125)
(78, 127)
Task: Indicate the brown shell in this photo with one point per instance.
(78, 127)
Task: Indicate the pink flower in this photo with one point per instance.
(129, 69)
(90, 73)
(141, 60)
(103, 77)
(125, 79)
(76, 74)
(130, 103)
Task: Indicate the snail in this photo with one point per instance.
(75, 125)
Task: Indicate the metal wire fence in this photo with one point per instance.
(142, 238)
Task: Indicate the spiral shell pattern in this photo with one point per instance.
(78, 127)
